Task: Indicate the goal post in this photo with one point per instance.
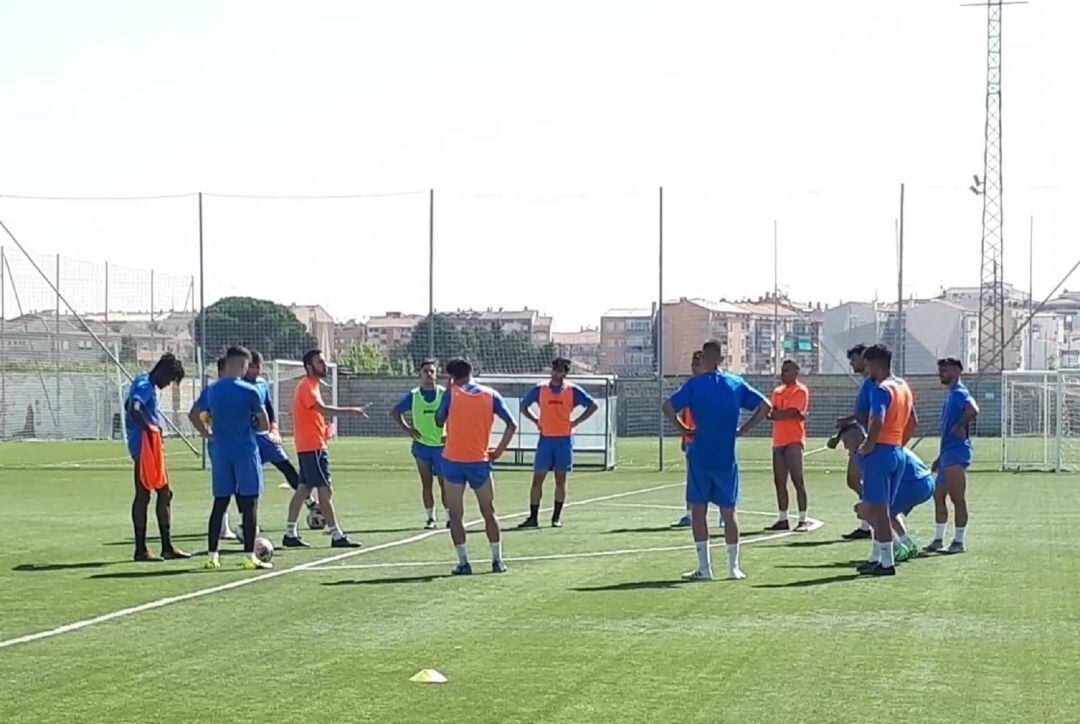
(1040, 420)
(283, 375)
(594, 440)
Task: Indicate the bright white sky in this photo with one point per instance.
(545, 129)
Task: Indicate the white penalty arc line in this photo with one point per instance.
(814, 525)
(203, 592)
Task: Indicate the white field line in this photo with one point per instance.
(814, 525)
(203, 592)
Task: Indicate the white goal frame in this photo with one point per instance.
(594, 443)
(1040, 420)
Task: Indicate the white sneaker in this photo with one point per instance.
(698, 575)
(735, 574)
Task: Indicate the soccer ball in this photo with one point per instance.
(315, 520)
(264, 550)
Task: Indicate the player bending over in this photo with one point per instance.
(916, 486)
(861, 416)
(143, 417)
(957, 414)
(892, 421)
(790, 403)
(428, 437)
(237, 470)
(310, 433)
(468, 412)
(715, 398)
(557, 399)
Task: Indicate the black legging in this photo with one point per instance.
(291, 476)
(249, 507)
(139, 507)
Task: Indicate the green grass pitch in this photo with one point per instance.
(992, 635)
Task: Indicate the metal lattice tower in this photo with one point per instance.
(991, 276)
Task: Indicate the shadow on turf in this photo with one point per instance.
(159, 572)
(40, 567)
(186, 537)
(812, 581)
(816, 543)
(714, 532)
(632, 586)
(381, 581)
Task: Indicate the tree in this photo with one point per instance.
(256, 324)
(370, 359)
(490, 350)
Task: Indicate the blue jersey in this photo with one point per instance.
(581, 397)
(143, 391)
(501, 410)
(862, 402)
(232, 404)
(916, 472)
(405, 403)
(263, 388)
(952, 412)
(715, 399)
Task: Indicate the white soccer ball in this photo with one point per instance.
(315, 520)
(264, 550)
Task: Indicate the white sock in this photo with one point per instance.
(864, 525)
(496, 551)
(887, 560)
(337, 533)
(462, 554)
(430, 513)
(960, 534)
(939, 530)
(875, 553)
(251, 556)
(802, 516)
(781, 515)
(732, 556)
(290, 530)
(225, 521)
(907, 540)
(704, 557)
(447, 511)
(688, 511)
(214, 555)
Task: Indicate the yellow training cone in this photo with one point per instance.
(429, 676)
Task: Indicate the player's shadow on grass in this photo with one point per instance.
(185, 537)
(815, 543)
(811, 582)
(632, 586)
(833, 564)
(427, 578)
(158, 573)
(41, 567)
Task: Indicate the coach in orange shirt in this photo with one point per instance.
(791, 402)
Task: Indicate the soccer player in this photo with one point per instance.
(687, 418)
(916, 486)
(957, 414)
(269, 441)
(200, 418)
(861, 416)
(557, 399)
(310, 433)
(468, 411)
(715, 399)
(892, 421)
(236, 467)
(790, 405)
(428, 436)
(141, 415)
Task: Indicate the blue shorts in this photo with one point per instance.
(430, 455)
(955, 456)
(913, 493)
(238, 473)
(269, 451)
(477, 475)
(554, 453)
(719, 487)
(314, 469)
(881, 470)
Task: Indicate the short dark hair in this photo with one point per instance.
(429, 361)
(237, 351)
(168, 366)
(696, 355)
(951, 362)
(791, 362)
(878, 353)
(560, 363)
(856, 351)
(256, 358)
(220, 365)
(714, 346)
(310, 355)
(459, 369)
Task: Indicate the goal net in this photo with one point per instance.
(283, 375)
(1040, 420)
(594, 440)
